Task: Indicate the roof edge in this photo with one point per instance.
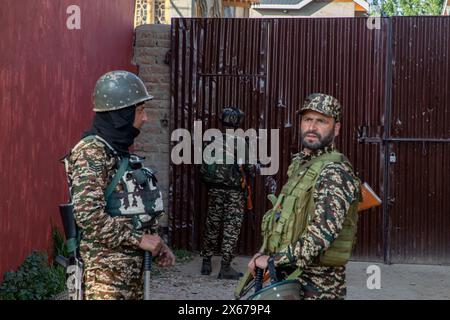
(300, 5)
(296, 6)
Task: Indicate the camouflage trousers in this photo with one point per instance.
(225, 207)
(322, 283)
(117, 278)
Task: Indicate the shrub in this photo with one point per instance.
(59, 244)
(34, 280)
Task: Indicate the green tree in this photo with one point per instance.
(409, 7)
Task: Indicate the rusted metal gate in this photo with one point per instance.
(268, 66)
(419, 141)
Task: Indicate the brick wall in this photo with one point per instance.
(152, 45)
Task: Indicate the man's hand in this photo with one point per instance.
(259, 260)
(166, 257)
(152, 243)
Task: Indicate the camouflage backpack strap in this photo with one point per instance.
(123, 165)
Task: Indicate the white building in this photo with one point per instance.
(310, 8)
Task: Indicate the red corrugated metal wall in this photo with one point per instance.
(47, 73)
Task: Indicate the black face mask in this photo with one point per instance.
(116, 127)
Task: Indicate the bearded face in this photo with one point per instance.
(317, 131)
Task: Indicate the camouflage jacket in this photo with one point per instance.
(336, 188)
(91, 166)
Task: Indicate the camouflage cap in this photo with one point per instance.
(324, 104)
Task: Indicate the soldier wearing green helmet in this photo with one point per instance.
(308, 235)
(117, 90)
(115, 199)
(226, 200)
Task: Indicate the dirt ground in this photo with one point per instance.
(410, 282)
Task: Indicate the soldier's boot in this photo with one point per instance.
(206, 266)
(227, 272)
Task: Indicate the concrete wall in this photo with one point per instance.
(315, 9)
(152, 45)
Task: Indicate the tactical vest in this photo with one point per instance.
(226, 172)
(294, 209)
(138, 197)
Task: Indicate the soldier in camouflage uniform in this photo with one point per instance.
(336, 193)
(111, 246)
(226, 200)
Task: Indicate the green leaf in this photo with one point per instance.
(411, 7)
(34, 279)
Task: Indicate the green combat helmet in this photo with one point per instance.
(284, 290)
(232, 117)
(117, 90)
(324, 104)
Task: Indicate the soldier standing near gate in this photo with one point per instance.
(114, 197)
(226, 200)
(310, 231)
